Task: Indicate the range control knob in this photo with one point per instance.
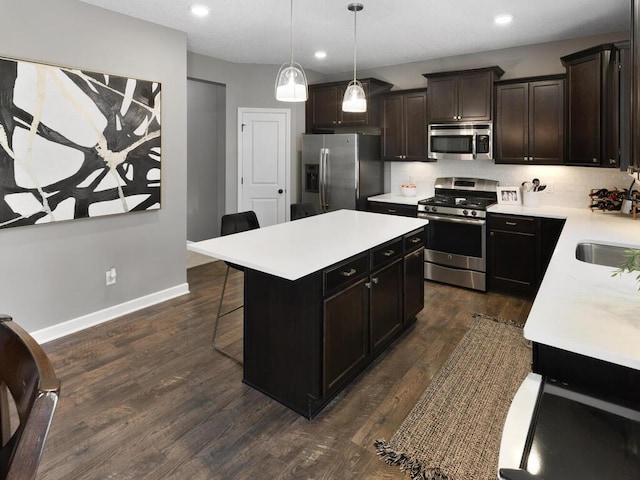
(434, 209)
(465, 212)
(474, 213)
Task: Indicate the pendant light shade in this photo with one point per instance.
(291, 82)
(354, 98)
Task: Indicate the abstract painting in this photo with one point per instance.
(75, 144)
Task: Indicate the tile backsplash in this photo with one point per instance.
(566, 186)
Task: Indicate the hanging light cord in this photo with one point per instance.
(355, 10)
(291, 31)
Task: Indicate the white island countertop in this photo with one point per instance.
(295, 249)
(580, 307)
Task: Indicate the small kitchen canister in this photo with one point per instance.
(530, 199)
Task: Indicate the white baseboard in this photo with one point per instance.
(75, 325)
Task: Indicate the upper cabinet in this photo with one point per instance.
(635, 85)
(324, 107)
(529, 121)
(462, 95)
(596, 106)
(404, 121)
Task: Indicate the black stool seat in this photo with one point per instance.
(302, 210)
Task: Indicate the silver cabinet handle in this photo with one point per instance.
(388, 253)
(368, 284)
(350, 273)
(418, 253)
(513, 224)
(374, 280)
(415, 240)
(391, 210)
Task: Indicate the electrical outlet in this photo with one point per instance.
(111, 276)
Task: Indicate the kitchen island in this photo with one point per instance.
(584, 325)
(323, 296)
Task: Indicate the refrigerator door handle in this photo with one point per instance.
(324, 157)
(321, 180)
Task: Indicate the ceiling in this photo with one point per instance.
(389, 32)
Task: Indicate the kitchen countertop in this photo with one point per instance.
(295, 249)
(395, 198)
(579, 306)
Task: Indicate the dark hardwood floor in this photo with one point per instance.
(146, 397)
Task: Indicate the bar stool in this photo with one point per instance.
(301, 210)
(230, 224)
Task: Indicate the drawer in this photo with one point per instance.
(394, 209)
(413, 240)
(345, 273)
(386, 253)
(512, 223)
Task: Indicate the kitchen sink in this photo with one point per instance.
(602, 254)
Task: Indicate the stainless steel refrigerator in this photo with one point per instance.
(341, 170)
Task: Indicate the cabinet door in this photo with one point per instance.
(393, 127)
(324, 104)
(546, 122)
(512, 123)
(584, 81)
(443, 99)
(512, 262)
(413, 284)
(345, 335)
(394, 209)
(474, 96)
(415, 120)
(386, 305)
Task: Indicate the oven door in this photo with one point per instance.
(457, 242)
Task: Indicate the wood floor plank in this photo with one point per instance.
(145, 396)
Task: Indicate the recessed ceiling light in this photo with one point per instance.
(320, 55)
(199, 10)
(504, 19)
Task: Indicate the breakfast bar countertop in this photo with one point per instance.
(292, 250)
(580, 307)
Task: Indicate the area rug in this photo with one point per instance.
(454, 431)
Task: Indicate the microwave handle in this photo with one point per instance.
(474, 150)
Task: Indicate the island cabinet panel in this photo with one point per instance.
(346, 339)
(414, 284)
(305, 340)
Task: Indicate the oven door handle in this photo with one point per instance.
(467, 221)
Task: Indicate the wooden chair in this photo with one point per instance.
(26, 377)
(302, 210)
(232, 223)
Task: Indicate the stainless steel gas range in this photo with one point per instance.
(456, 251)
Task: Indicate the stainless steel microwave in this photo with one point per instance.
(460, 141)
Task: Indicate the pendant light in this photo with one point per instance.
(291, 82)
(354, 98)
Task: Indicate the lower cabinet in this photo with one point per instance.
(305, 340)
(346, 335)
(519, 251)
(394, 209)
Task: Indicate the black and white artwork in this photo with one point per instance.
(75, 144)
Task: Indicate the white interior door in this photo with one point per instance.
(263, 163)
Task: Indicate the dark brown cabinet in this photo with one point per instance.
(414, 283)
(346, 340)
(393, 208)
(404, 122)
(519, 251)
(324, 106)
(461, 96)
(529, 121)
(593, 107)
(310, 337)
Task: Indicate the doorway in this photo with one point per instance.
(206, 126)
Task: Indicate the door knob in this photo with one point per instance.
(280, 190)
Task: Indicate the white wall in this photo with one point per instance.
(56, 272)
(250, 85)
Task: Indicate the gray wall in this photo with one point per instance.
(206, 127)
(250, 86)
(54, 273)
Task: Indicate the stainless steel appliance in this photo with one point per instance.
(455, 243)
(341, 170)
(461, 141)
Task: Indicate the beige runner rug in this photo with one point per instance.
(454, 431)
